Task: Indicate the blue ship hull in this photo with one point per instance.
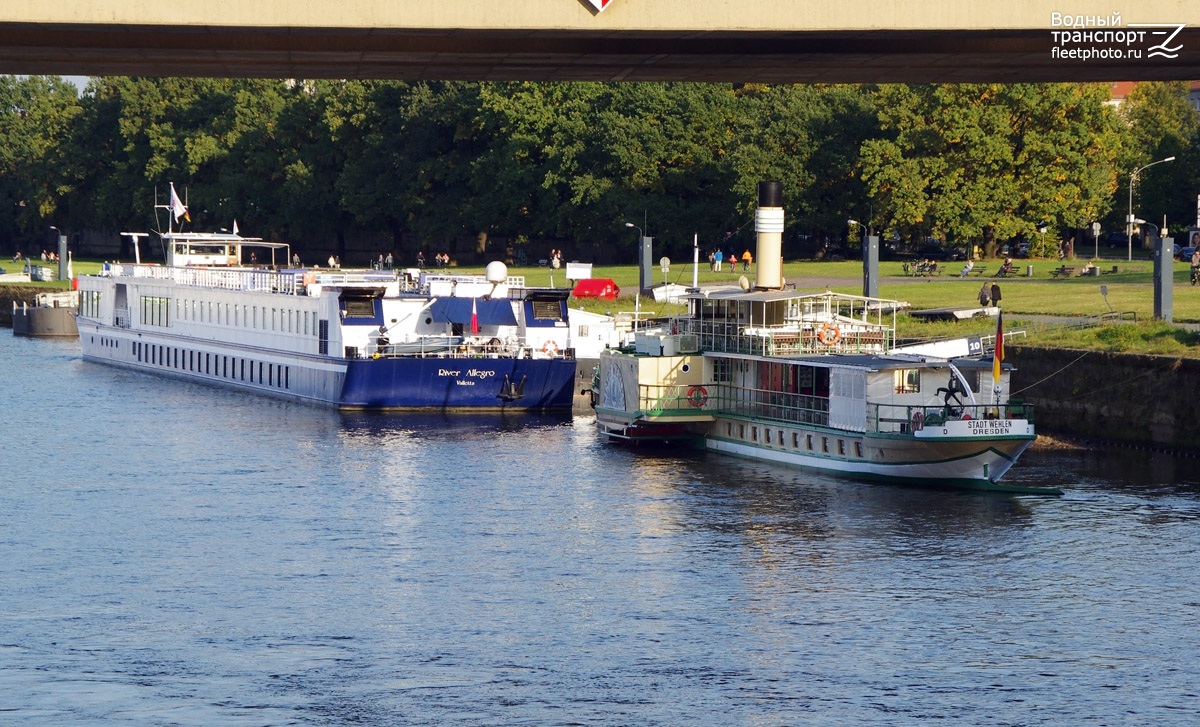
(505, 384)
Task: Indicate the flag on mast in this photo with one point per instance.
(474, 319)
(177, 207)
(998, 353)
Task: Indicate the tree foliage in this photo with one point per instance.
(984, 163)
(461, 166)
(1161, 123)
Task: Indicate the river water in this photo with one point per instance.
(172, 554)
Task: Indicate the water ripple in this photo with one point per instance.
(179, 555)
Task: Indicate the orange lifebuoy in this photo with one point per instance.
(829, 334)
(550, 349)
(698, 396)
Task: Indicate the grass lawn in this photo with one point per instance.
(1129, 290)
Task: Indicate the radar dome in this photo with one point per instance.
(497, 272)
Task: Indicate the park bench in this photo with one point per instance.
(919, 270)
(1063, 271)
(979, 270)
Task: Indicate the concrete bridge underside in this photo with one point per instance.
(749, 41)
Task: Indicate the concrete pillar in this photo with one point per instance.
(1164, 275)
(62, 257)
(646, 264)
(871, 266)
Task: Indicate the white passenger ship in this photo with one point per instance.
(813, 380)
(358, 340)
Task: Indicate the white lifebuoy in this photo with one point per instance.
(829, 334)
(550, 349)
(698, 396)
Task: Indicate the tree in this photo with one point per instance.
(35, 115)
(1161, 123)
(989, 162)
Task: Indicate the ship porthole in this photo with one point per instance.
(685, 368)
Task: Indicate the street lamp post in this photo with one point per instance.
(1129, 219)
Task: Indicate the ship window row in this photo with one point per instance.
(283, 320)
(89, 303)
(807, 442)
(231, 368)
(156, 310)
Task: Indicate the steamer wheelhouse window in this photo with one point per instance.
(907, 381)
(359, 307)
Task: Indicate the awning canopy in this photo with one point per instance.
(458, 310)
(596, 288)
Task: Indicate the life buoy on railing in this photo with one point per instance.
(829, 334)
(918, 421)
(550, 349)
(698, 396)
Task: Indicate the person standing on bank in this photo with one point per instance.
(985, 295)
(996, 294)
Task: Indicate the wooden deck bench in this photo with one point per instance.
(1063, 271)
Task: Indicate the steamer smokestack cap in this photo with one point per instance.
(770, 194)
(769, 224)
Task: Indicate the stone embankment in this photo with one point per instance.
(15, 293)
(1132, 399)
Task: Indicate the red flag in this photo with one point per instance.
(474, 319)
(998, 354)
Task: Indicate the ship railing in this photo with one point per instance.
(457, 347)
(724, 399)
(287, 283)
(902, 418)
(790, 339)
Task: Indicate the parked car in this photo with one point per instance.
(1184, 253)
(934, 252)
(1120, 239)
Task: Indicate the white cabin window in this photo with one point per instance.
(155, 310)
(722, 370)
(907, 381)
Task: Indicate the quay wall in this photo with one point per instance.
(1132, 399)
(18, 294)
